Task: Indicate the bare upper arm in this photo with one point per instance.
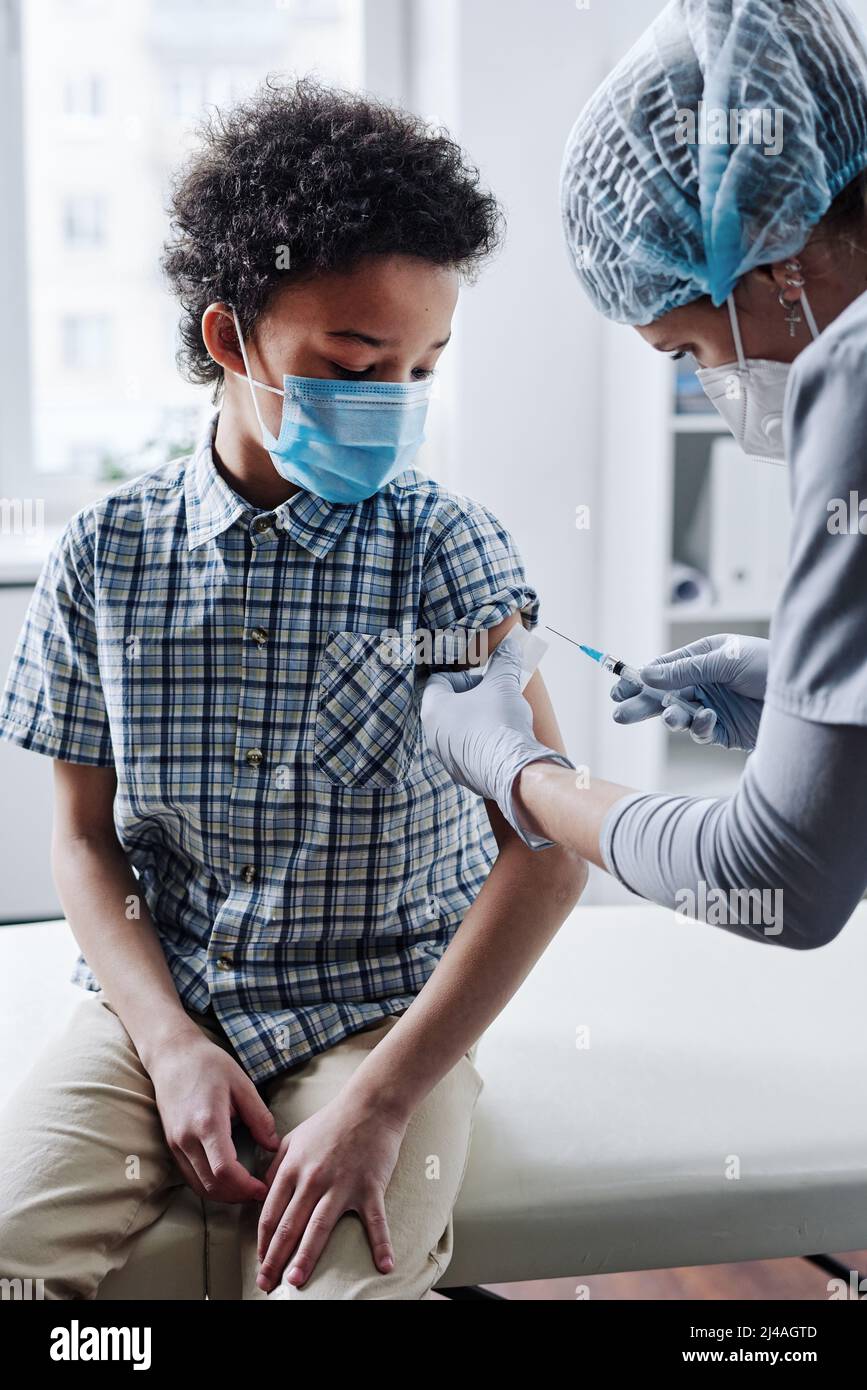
(545, 725)
(84, 800)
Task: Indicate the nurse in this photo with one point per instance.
(714, 195)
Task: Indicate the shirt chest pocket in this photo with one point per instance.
(367, 725)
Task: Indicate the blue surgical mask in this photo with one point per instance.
(342, 440)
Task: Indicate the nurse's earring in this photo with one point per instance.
(794, 281)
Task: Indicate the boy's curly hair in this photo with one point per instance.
(316, 177)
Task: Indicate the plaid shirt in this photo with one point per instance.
(305, 859)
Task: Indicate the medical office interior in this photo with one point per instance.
(619, 484)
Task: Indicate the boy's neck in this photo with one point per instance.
(245, 465)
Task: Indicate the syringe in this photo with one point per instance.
(615, 667)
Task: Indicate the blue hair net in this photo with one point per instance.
(665, 200)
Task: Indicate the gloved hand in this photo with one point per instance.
(481, 729)
(725, 673)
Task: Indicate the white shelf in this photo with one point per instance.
(699, 424)
(693, 769)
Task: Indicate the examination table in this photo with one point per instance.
(658, 1093)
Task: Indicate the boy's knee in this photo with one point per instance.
(345, 1271)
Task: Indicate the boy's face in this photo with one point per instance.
(387, 320)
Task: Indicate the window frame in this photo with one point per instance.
(16, 443)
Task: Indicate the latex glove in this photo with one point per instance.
(481, 729)
(725, 673)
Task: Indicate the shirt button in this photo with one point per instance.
(255, 757)
(224, 963)
(248, 873)
(259, 636)
(433, 908)
(263, 523)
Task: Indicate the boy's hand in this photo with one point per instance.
(199, 1090)
(340, 1159)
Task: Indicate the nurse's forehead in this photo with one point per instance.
(676, 330)
(663, 338)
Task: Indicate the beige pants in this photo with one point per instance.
(70, 1202)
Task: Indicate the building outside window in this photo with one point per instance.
(111, 96)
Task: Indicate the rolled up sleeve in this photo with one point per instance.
(474, 577)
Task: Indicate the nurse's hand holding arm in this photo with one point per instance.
(784, 854)
(480, 727)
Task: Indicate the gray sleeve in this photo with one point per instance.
(818, 657)
(783, 861)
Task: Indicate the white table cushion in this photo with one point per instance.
(715, 1115)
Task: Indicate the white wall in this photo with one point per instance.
(28, 892)
(547, 407)
(523, 391)
(523, 384)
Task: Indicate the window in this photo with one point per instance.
(83, 221)
(111, 95)
(83, 95)
(86, 342)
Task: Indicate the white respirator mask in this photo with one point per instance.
(750, 393)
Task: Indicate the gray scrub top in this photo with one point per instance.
(784, 860)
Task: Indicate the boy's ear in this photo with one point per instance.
(220, 338)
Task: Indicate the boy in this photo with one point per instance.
(321, 927)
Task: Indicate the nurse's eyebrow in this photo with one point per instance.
(370, 341)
